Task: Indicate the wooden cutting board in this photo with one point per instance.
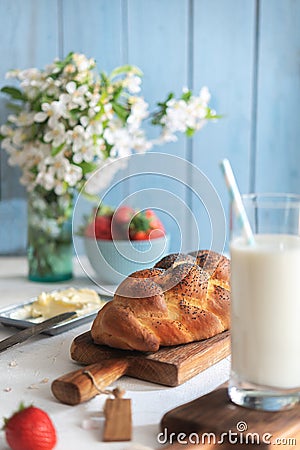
(170, 366)
(214, 413)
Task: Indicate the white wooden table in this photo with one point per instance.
(27, 371)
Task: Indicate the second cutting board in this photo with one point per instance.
(170, 366)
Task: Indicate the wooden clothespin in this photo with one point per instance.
(118, 422)
(117, 412)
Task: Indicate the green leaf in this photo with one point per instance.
(104, 79)
(15, 93)
(117, 93)
(157, 118)
(2, 137)
(21, 408)
(209, 115)
(87, 167)
(75, 110)
(190, 132)
(64, 62)
(106, 151)
(140, 222)
(92, 198)
(120, 111)
(14, 107)
(56, 150)
(170, 96)
(125, 69)
(69, 57)
(105, 210)
(98, 115)
(186, 96)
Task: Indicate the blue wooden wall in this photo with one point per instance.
(246, 51)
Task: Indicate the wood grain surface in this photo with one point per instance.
(215, 413)
(170, 366)
(118, 421)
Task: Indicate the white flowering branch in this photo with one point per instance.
(68, 121)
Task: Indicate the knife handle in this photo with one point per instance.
(81, 385)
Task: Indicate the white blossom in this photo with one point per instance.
(59, 187)
(103, 175)
(20, 136)
(73, 175)
(132, 83)
(76, 97)
(85, 152)
(140, 143)
(50, 110)
(69, 109)
(8, 146)
(204, 95)
(46, 180)
(56, 135)
(82, 62)
(6, 130)
(23, 119)
(93, 99)
(139, 112)
(12, 73)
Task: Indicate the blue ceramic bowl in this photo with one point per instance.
(115, 260)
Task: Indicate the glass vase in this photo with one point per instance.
(50, 245)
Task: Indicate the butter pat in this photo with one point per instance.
(83, 301)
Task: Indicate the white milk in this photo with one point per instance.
(265, 284)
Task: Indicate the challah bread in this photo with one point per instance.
(184, 298)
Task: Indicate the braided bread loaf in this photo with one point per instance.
(184, 298)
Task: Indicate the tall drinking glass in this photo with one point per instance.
(265, 305)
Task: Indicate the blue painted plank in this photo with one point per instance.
(223, 60)
(95, 28)
(13, 228)
(278, 131)
(158, 44)
(28, 39)
(101, 25)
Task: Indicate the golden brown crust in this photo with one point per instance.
(184, 298)
(217, 265)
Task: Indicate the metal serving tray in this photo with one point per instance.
(7, 318)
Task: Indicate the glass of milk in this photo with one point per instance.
(265, 304)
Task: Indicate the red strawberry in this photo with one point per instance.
(30, 428)
(90, 230)
(123, 214)
(103, 227)
(157, 233)
(149, 213)
(121, 220)
(140, 236)
(155, 224)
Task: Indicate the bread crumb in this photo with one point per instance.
(33, 386)
(44, 380)
(12, 364)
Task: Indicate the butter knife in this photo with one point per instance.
(33, 330)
